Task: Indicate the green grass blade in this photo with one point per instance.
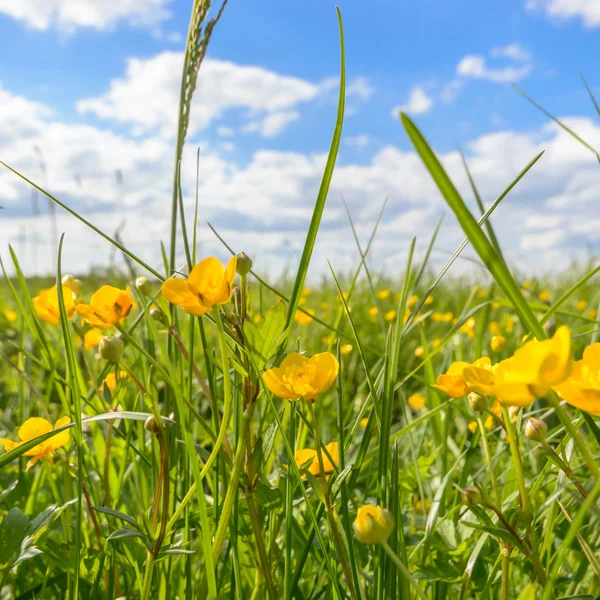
(324, 188)
(481, 244)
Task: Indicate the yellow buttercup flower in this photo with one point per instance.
(582, 388)
(92, 338)
(10, 315)
(527, 284)
(373, 524)
(363, 422)
(453, 382)
(468, 327)
(107, 307)
(412, 301)
(373, 311)
(209, 284)
(533, 370)
(303, 318)
(439, 317)
(302, 457)
(301, 377)
(390, 315)
(46, 304)
(383, 294)
(581, 305)
(495, 328)
(111, 380)
(324, 305)
(498, 343)
(31, 429)
(416, 401)
(545, 295)
(345, 349)
(419, 351)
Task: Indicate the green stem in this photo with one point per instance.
(404, 570)
(329, 506)
(147, 585)
(517, 464)
(289, 509)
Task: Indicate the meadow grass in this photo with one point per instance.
(185, 469)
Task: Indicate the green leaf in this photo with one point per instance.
(263, 340)
(13, 530)
(125, 532)
(119, 515)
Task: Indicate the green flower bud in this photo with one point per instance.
(244, 263)
(157, 315)
(151, 425)
(111, 348)
(144, 286)
(536, 430)
(72, 283)
(471, 496)
(477, 402)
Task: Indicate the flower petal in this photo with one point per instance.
(33, 427)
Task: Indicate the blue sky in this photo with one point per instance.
(94, 86)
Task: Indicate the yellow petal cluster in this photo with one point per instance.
(108, 306)
(302, 458)
(46, 304)
(209, 284)
(373, 524)
(453, 382)
(582, 388)
(301, 377)
(34, 427)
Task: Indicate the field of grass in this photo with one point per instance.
(201, 432)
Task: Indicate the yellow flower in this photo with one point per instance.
(46, 304)
(498, 343)
(373, 524)
(107, 307)
(419, 351)
(11, 315)
(383, 294)
(509, 324)
(209, 284)
(363, 422)
(346, 349)
(303, 318)
(31, 429)
(92, 338)
(301, 457)
(534, 368)
(468, 327)
(453, 383)
(301, 377)
(581, 305)
(439, 317)
(429, 300)
(416, 401)
(390, 315)
(302, 301)
(111, 380)
(436, 342)
(582, 388)
(495, 328)
(413, 300)
(592, 314)
(545, 295)
(306, 292)
(72, 283)
(373, 311)
(324, 305)
(527, 284)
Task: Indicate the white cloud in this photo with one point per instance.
(512, 51)
(451, 90)
(358, 141)
(475, 66)
(67, 15)
(541, 241)
(146, 95)
(264, 206)
(418, 103)
(225, 131)
(563, 10)
(273, 124)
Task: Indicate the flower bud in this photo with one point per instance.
(244, 263)
(373, 524)
(143, 285)
(72, 283)
(471, 496)
(477, 402)
(157, 315)
(111, 348)
(498, 343)
(151, 425)
(536, 430)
